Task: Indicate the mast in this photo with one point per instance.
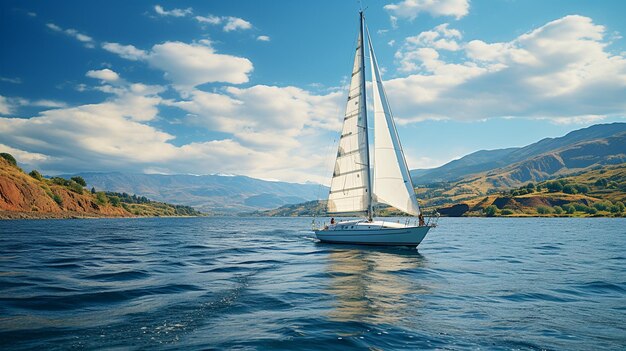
(370, 212)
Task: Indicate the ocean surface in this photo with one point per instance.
(266, 283)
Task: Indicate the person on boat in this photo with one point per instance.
(332, 220)
(421, 220)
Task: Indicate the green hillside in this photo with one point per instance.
(598, 192)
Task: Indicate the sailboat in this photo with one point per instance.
(353, 186)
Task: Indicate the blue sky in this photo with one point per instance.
(257, 87)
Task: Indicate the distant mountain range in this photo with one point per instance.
(601, 144)
(477, 174)
(213, 194)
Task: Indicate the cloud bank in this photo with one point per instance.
(561, 71)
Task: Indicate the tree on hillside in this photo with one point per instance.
(570, 189)
(569, 208)
(101, 198)
(115, 201)
(35, 174)
(75, 187)
(603, 206)
(582, 188)
(9, 158)
(491, 210)
(79, 180)
(544, 210)
(554, 187)
(601, 182)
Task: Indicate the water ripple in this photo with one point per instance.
(250, 283)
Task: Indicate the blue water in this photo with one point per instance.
(250, 283)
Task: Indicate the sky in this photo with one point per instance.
(258, 87)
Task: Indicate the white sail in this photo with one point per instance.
(392, 181)
(350, 184)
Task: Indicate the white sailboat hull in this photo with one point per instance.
(364, 233)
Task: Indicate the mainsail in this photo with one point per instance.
(350, 189)
(392, 181)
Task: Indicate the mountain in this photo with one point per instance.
(578, 152)
(32, 196)
(548, 156)
(215, 194)
(474, 182)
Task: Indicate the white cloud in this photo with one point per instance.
(173, 12)
(48, 103)
(271, 129)
(96, 135)
(263, 38)
(425, 162)
(561, 70)
(5, 106)
(54, 27)
(188, 65)
(411, 8)
(235, 23)
(577, 119)
(16, 80)
(256, 116)
(423, 47)
(9, 105)
(128, 52)
(394, 22)
(287, 125)
(23, 156)
(84, 38)
(210, 19)
(103, 74)
(230, 23)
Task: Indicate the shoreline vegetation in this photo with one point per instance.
(31, 196)
(597, 192)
